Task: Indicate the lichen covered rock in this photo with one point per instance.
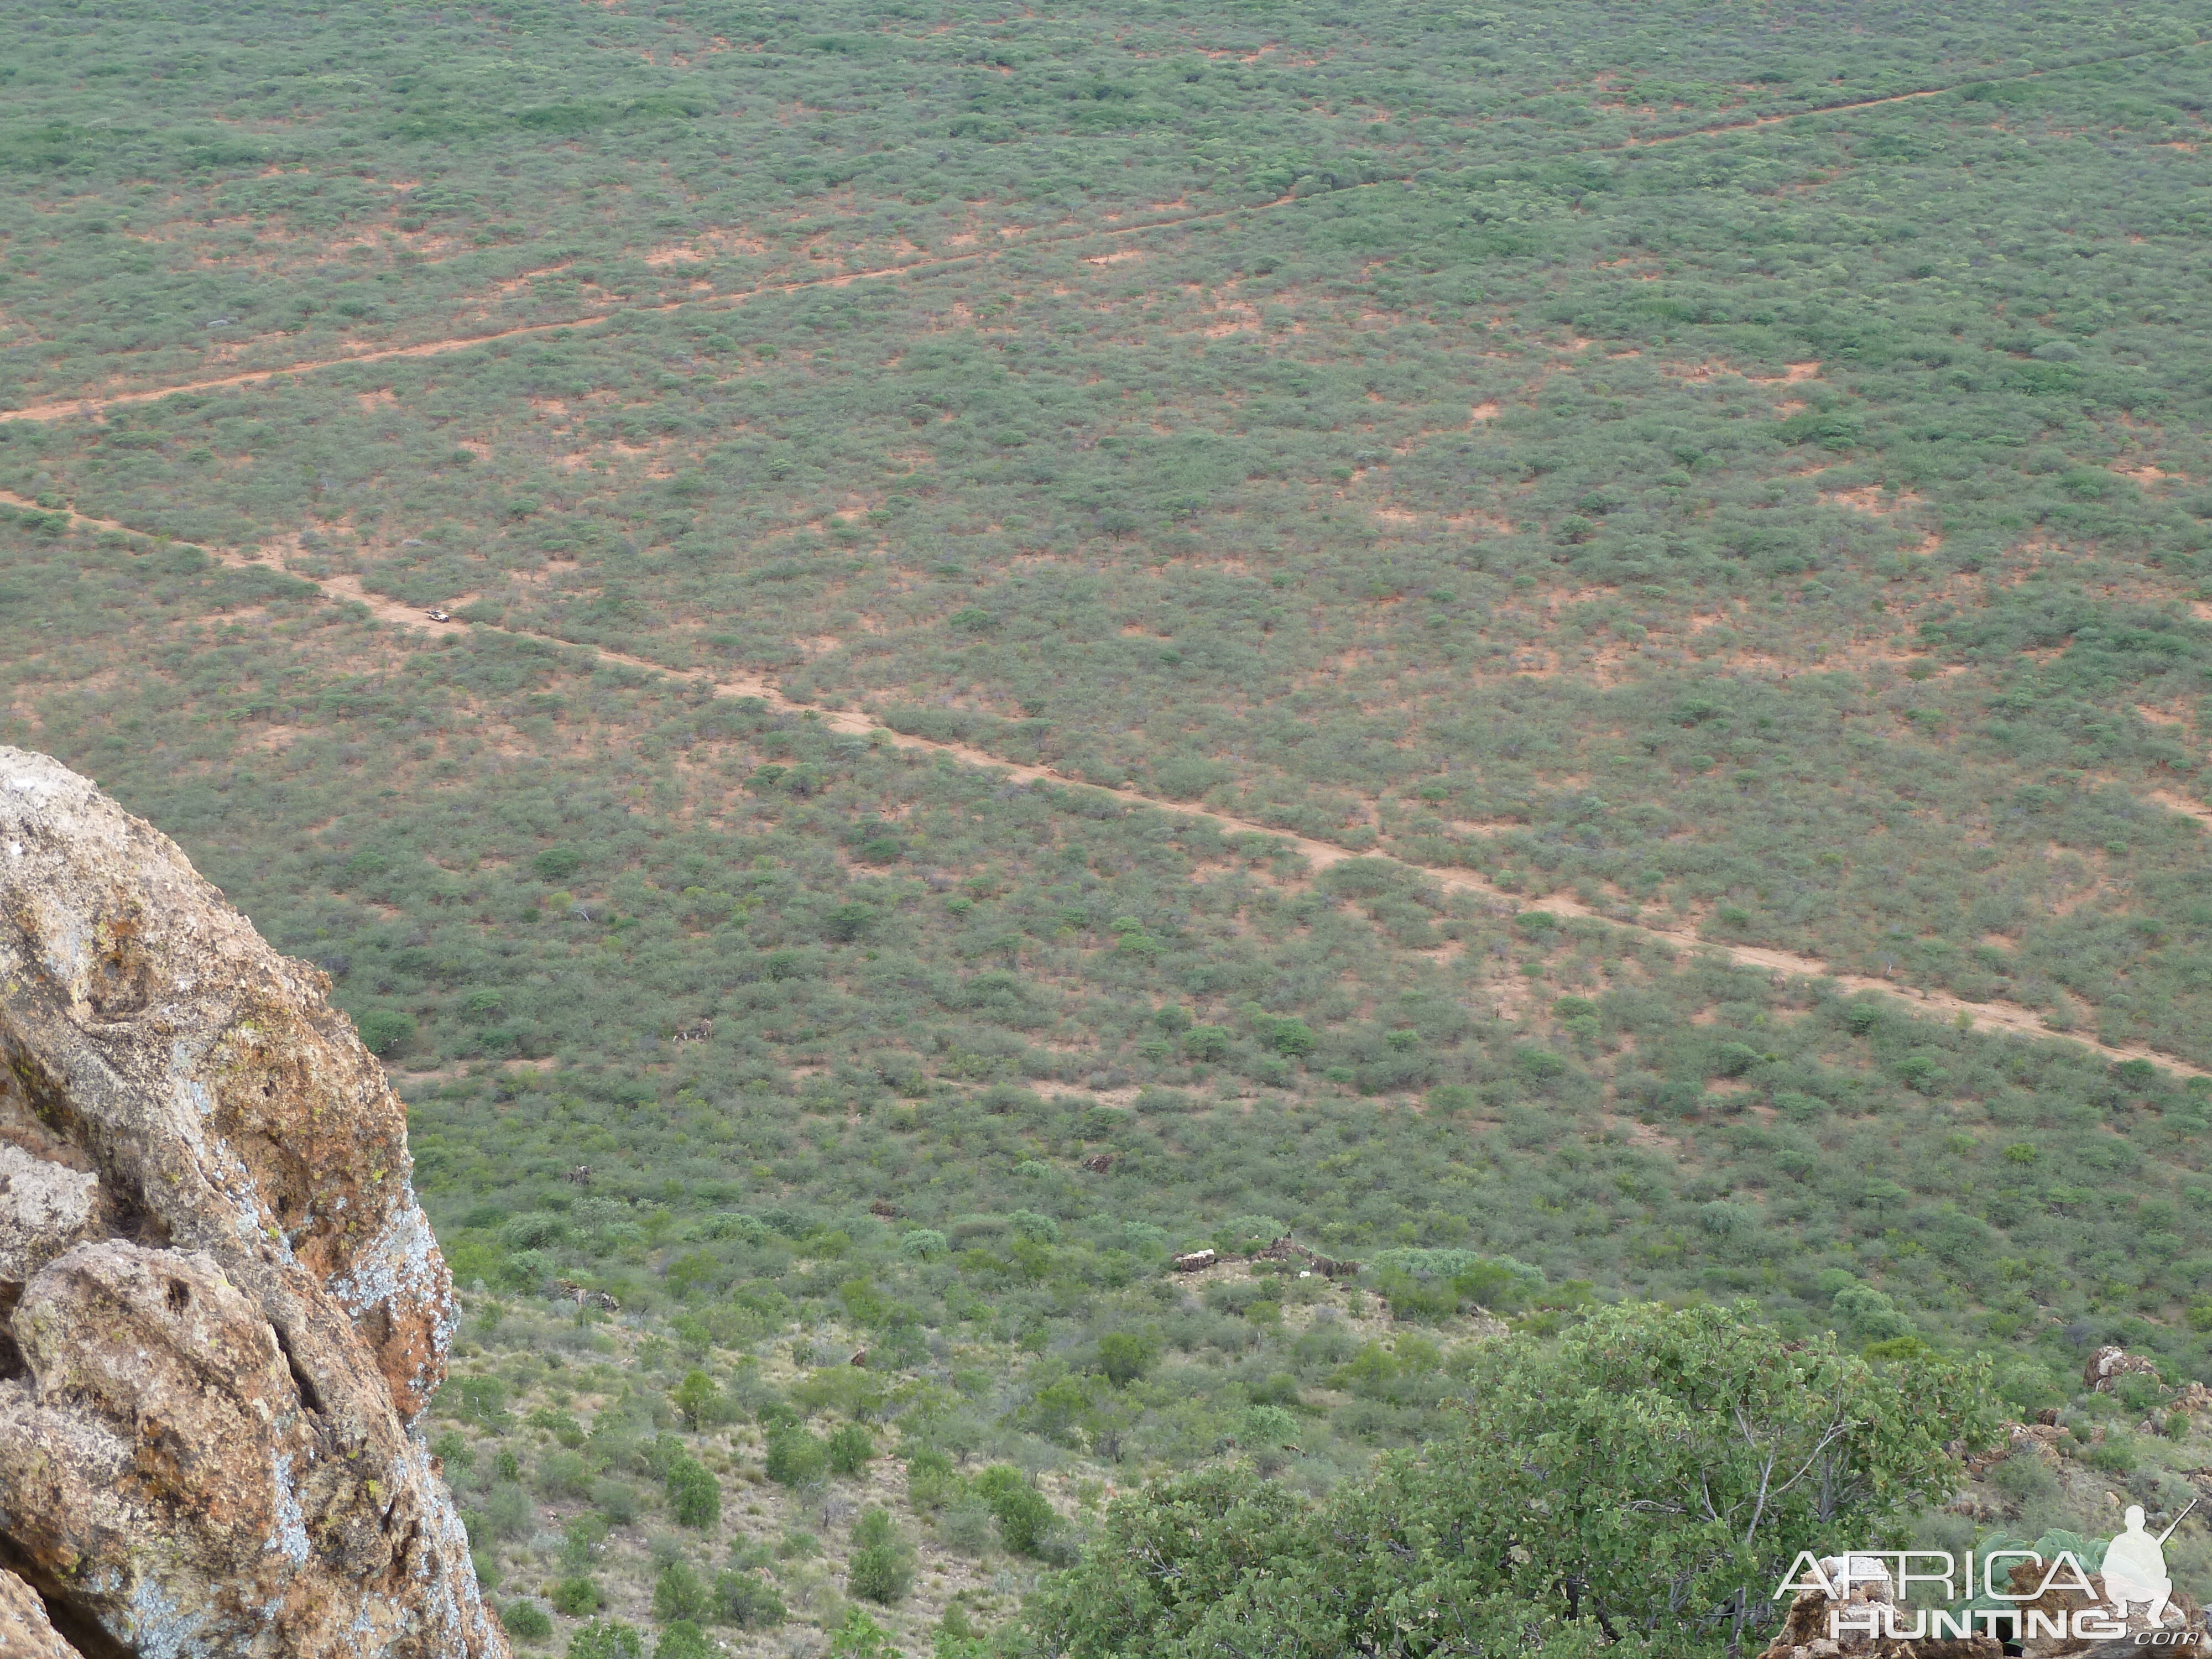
(26, 1632)
(223, 1307)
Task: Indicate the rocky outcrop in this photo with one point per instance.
(221, 1307)
(2108, 1365)
(26, 1632)
(1805, 1634)
(2182, 1616)
(1866, 1590)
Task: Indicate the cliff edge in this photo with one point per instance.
(221, 1307)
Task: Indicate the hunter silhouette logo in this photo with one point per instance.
(2135, 1568)
(1865, 1586)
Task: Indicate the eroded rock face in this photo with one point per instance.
(26, 1632)
(2107, 1365)
(1804, 1633)
(221, 1307)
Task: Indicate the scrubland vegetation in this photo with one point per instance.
(1480, 441)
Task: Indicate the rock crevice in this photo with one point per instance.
(221, 1309)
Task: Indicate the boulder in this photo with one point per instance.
(2182, 1616)
(221, 1310)
(1804, 1633)
(26, 1632)
(2107, 1364)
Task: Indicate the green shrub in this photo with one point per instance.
(2115, 1454)
(684, 1640)
(564, 1473)
(849, 1449)
(930, 1482)
(796, 1458)
(610, 1640)
(861, 1638)
(577, 1596)
(882, 1567)
(1021, 1511)
(923, 1245)
(617, 1500)
(699, 1402)
(526, 1621)
(508, 1511)
(965, 1526)
(557, 864)
(1125, 1356)
(746, 1600)
(694, 1496)
(677, 1593)
(385, 1032)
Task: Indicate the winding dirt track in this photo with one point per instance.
(1319, 855)
(61, 409)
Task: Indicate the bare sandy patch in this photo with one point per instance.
(2183, 805)
(1868, 498)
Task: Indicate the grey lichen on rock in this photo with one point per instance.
(221, 1309)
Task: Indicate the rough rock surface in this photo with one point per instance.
(2183, 1615)
(221, 1307)
(26, 1632)
(1804, 1633)
(2107, 1364)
